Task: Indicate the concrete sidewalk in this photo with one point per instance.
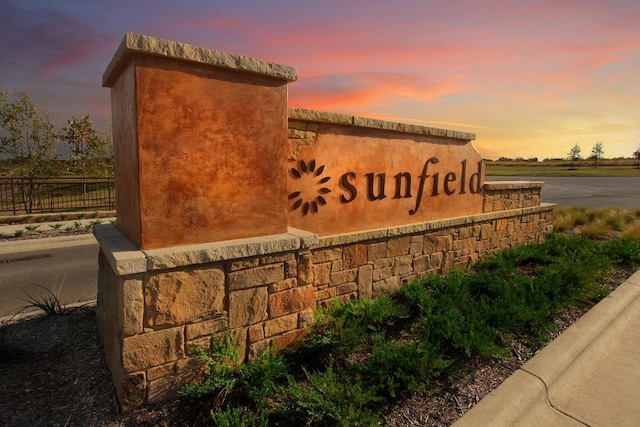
(589, 375)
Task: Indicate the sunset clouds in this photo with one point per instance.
(530, 78)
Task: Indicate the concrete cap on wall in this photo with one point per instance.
(146, 45)
(303, 114)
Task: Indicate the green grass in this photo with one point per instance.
(563, 168)
(364, 353)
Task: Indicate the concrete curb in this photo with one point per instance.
(589, 375)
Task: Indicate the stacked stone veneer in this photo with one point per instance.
(156, 306)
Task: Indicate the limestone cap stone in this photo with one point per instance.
(133, 44)
(304, 114)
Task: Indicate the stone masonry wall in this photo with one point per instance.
(155, 307)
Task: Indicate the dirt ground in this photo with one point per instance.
(53, 373)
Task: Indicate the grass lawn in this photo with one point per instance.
(563, 168)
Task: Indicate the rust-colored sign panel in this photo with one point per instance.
(354, 179)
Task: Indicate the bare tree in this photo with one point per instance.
(574, 154)
(596, 153)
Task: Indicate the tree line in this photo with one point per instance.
(597, 151)
(29, 141)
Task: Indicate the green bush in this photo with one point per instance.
(365, 352)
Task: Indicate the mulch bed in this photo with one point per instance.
(53, 373)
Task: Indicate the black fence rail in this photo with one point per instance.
(25, 196)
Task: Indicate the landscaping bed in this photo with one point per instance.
(53, 372)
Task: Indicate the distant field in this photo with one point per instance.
(606, 167)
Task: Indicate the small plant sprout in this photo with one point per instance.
(46, 300)
(18, 233)
(77, 224)
(56, 226)
(32, 227)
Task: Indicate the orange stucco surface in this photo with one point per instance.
(125, 153)
(210, 154)
(354, 179)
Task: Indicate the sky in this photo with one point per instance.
(528, 78)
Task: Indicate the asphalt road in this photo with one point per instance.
(68, 261)
(589, 192)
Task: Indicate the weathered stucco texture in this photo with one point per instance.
(210, 154)
(125, 153)
(350, 179)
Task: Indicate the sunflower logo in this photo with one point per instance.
(312, 197)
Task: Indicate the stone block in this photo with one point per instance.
(275, 259)
(152, 349)
(161, 371)
(398, 246)
(203, 342)
(283, 341)
(416, 247)
(305, 269)
(162, 389)
(324, 255)
(189, 369)
(325, 294)
(444, 243)
(436, 260)
(365, 281)
(259, 348)
(306, 318)
(321, 273)
(131, 307)
(283, 285)
(422, 264)
(354, 255)
(403, 265)
(343, 276)
(383, 273)
(254, 277)
(243, 264)
(383, 263)
(206, 327)
(347, 288)
(430, 243)
(239, 337)
(131, 391)
(247, 307)
(377, 251)
(280, 325)
(176, 297)
(256, 333)
(291, 268)
(291, 301)
(387, 286)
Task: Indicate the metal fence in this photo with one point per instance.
(25, 196)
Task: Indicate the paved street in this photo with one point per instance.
(70, 261)
(589, 192)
